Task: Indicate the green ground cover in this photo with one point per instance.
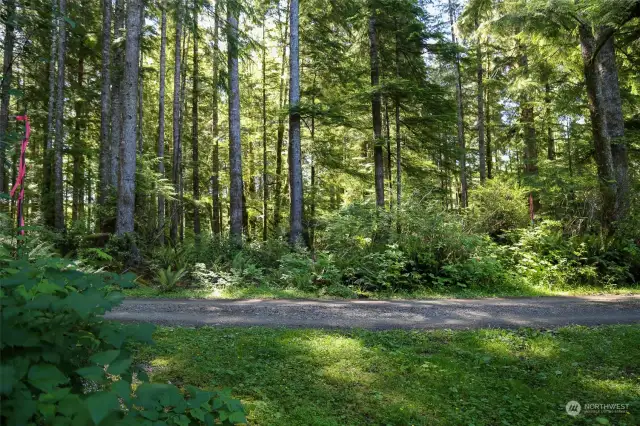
(483, 377)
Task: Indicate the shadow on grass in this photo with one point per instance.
(484, 377)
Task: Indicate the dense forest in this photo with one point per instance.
(390, 143)
(157, 150)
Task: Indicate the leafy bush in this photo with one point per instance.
(353, 229)
(433, 238)
(171, 257)
(63, 364)
(385, 270)
(169, 279)
(300, 270)
(499, 206)
(545, 255)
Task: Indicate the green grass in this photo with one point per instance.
(484, 377)
(269, 292)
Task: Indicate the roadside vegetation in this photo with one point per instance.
(491, 249)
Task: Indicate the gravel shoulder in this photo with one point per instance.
(543, 312)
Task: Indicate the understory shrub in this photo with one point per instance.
(498, 206)
(382, 271)
(545, 255)
(302, 270)
(168, 279)
(64, 364)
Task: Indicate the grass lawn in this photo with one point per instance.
(268, 292)
(483, 377)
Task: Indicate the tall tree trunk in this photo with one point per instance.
(387, 137)
(78, 171)
(460, 117)
(378, 156)
(314, 189)
(235, 148)
(216, 220)
(614, 120)
(295, 151)
(47, 194)
(481, 142)
(116, 91)
(142, 201)
(265, 183)
(5, 87)
(489, 155)
(59, 142)
(602, 151)
(127, 173)
(551, 148)
(397, 131)
(140, 97)
(527, 119)
(175, 219)
(183, 113)
(280, 136)
(161, 119)
(105, 165)
(194, 127)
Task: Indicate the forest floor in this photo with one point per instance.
(408, 377)
(542, 312)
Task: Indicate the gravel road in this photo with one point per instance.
(541, 312)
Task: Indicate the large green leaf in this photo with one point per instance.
(94, 373)
(100, 404)
(46, 376)
(237, 417)
(119, 366)
(106, 357)
(7, 379)
(122, 388)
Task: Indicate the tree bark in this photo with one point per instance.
(295, 151)
(614, 120)
(489, 155)
(387, 138)
(378, 156)
(59, 222)
(176, 123)
(48, 189)
(78, 157)
(551, 148)
(397, 132)
(194, 127)
(460, 117)
(265, 184)
(5, 87)
(127, 173)
(116, 92)
(105, 165)
(216, 221)
(183, 113)
(235, 147)
(527, 121)
(602, 146)
(280, 136)
(161, 118)
(481, 141)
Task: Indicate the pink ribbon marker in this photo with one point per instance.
(22, 170)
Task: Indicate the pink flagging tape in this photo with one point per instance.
(22, 169)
